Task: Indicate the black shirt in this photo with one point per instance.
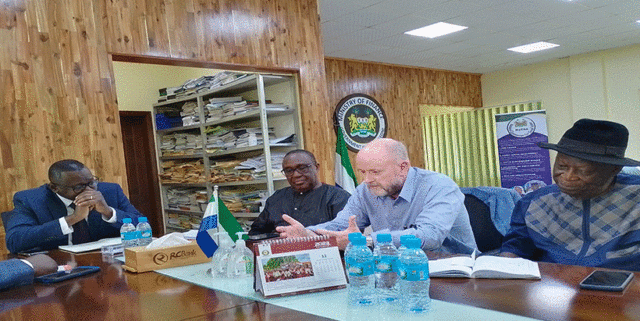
(316, 206)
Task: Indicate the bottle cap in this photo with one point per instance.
(142, 219)
(126, 220)
(354, 235)
(384, 237)
(414, 243)
(405, 238)
(359, 240)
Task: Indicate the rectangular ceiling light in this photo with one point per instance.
(536, 46)
(435, 30)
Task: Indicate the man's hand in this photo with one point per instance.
(94, 200)
(343, 236)
(295, 229)
(79, 214)
(42, 264)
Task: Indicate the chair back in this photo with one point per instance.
(486, 234)
(5, 217)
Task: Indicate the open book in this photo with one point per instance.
(488, 267)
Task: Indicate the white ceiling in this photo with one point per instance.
(373, 30)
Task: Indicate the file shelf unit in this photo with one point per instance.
(196, 155)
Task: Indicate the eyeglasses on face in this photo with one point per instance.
(302, 169)
(93, 183)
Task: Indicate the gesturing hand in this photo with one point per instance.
(295, 229)
(343, 236)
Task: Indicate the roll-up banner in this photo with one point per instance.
(524, 166)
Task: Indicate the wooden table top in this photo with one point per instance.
(113, 294)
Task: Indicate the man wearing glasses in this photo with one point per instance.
(307, 200)
(73, 208)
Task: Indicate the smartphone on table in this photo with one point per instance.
(607, 280)
(66, 275)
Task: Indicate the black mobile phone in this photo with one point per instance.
(64, 275)
(607, 280)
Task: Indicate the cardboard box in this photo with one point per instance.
(138, 259)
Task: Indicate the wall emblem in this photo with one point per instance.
(361, 119)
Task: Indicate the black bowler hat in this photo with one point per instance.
(598, 141)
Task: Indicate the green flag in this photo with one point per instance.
(345, 177)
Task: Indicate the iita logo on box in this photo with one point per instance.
(161, 258)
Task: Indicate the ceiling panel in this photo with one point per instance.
(373, 30)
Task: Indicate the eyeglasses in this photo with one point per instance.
(302, 169)
(93, 183)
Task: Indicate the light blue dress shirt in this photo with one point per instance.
(430, 206)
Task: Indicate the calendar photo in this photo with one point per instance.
(287, 267)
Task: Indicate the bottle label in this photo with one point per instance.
(128, 236)
(386, 264)
(414, 272)
(359, 268)
(145, 234)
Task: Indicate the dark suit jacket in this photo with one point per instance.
(33, 223)
(14, 273)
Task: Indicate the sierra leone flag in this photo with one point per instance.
(216, 214)
(345, 178)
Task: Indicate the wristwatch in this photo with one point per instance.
(369, 241)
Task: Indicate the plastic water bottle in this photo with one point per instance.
(413, 271)
(350, 245)
(403, 240)
(385, 255)
(128, 234)
(143, 230)
(359, 262)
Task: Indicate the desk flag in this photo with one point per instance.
(345, 177)
(216, 214)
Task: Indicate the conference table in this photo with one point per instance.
(114, 294)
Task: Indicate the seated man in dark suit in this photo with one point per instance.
(15, 272)
(73, 208)
(306, 200)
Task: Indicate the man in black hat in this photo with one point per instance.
(591, 215)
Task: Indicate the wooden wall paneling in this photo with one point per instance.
(401, 90)
(58, 97)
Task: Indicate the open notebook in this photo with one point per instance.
(489, 267)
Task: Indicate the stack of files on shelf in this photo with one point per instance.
(237, 108)
(182, 221)
(190, 114)
(214, 109)
(283, 140)
(188, 199)
(184, 172)
(225, 77)
(224, 171)
(258, 165)
(246, 137)
(221, 138)
(215, 138)
(179, 144)
(247, 199)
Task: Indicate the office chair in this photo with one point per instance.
(5, 218)
(487, 237)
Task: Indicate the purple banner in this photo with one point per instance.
(524, 166)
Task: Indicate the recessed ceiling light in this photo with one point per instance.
(536, 46)
(436, 30)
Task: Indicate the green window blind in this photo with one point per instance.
(462, 145)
